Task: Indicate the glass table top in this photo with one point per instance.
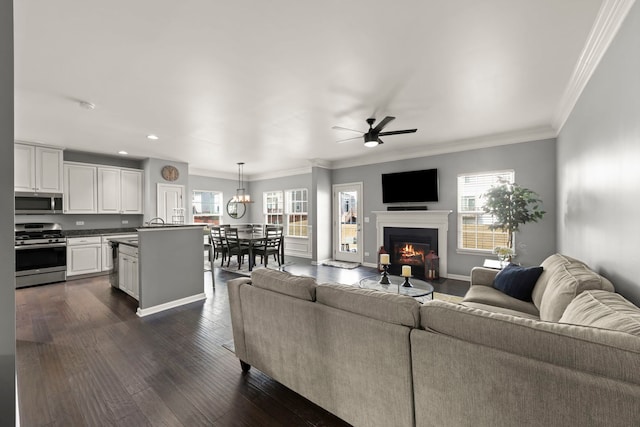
(420, 287)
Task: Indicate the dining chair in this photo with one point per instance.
(234, 246)
(219, 244)
(270, 246)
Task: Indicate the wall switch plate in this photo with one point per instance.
(79, 222)
(366, 254)
(124, 221)
(366, 219)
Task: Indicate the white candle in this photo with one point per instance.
(406, 271)
(384, 258)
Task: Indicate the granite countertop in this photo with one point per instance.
(128, 242)
(99, 231)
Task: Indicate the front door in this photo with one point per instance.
(170, 203)
(347, 222)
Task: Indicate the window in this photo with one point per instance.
(296, 212)
(207, 207)
(273, 207)
(473, 224)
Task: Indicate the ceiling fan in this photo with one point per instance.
(372, 136)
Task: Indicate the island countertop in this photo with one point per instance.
(129, 242)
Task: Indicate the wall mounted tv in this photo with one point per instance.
(412, 186)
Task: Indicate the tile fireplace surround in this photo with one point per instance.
(417, 219)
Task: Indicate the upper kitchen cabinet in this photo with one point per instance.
(37, 169)
(119, 190)
(80, 188)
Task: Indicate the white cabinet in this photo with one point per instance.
(107, 258)
(131, 191)
(119, 190)
(84, 255)
(37, 169)
(80, 188)
(128, 276)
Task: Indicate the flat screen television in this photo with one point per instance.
(412, 186)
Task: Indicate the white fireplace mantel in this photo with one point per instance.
(417, 219)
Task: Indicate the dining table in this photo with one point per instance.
(252, 238)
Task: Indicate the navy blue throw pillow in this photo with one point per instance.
(517, 281)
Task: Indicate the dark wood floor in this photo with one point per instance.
(85, 359)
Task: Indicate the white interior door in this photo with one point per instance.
(347, 222)
(170, 197)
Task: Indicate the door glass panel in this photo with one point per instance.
(348, 229)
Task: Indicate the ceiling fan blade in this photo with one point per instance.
(348, 139)
(398, 132)
(380, 141)
(350, 130)
(383, 123)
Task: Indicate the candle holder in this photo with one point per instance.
(384, 280)
(407, 283)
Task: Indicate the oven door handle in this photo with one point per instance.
(40, 246)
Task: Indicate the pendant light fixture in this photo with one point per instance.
(241, 195)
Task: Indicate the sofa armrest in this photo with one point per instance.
(483, 276)
(237, 322)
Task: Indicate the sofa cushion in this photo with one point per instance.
(501, 310)
(603, 309)
(563, 286)
(549, 267)
(517, 281)
(285, 283)
(493, 297)
(385, 306)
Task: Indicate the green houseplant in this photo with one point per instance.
(511, 206)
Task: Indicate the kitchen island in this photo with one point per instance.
(162, 268)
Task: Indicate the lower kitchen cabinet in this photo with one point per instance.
(107, 258)
(128, 275)
(84, 255)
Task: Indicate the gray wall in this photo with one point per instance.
(321, 197)
(535, 167)
(153, 176)
(7, 261)
(275, 184)
(598, 166)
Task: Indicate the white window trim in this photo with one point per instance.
(287, 205)
(265, 204)
(474, 251)
(220, 215)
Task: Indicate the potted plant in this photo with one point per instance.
(511, 206)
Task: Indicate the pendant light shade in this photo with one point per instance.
(241, 195)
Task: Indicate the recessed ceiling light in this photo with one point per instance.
(124, 153)
(152, 136)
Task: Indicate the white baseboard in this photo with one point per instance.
(370, 264)
(459, 277)
(170, 304)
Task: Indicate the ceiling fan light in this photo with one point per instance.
(370, 144)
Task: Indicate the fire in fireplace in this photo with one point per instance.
(409, 246)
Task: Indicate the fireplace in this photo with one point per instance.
(409, 246)
(435, 220)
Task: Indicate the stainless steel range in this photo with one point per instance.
(41, 254)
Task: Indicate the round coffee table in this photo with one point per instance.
(420, 287)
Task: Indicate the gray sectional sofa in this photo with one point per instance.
(377, 359)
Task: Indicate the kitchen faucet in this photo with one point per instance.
(156, 220)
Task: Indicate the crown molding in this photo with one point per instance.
(606, 26)
(487, 141)
(320, 163)
(279, 174)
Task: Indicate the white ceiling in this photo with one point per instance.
(263, 82)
